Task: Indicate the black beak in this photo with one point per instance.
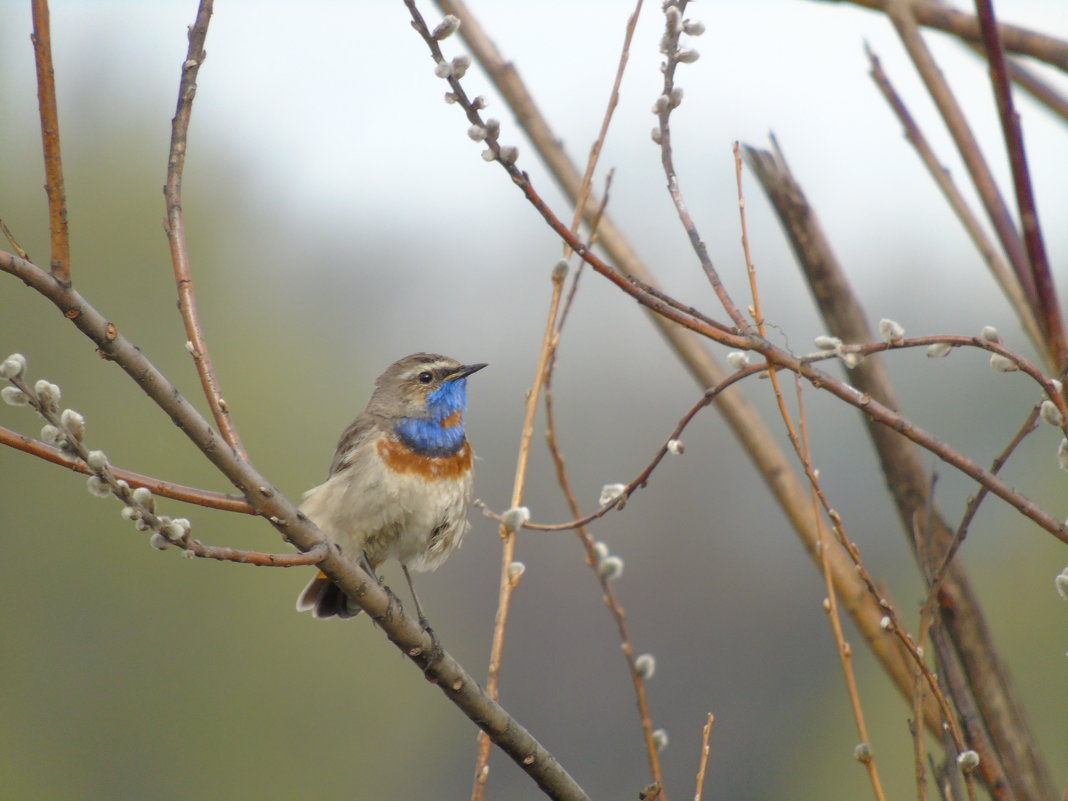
(465, 371)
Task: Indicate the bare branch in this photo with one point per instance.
(668, 101)
(164, 489)
(508, 536)
(172, 192)
(703, 761)
(46, 102)
(1022, 41)
(1046, 308)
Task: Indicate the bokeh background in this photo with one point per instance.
(339, 218)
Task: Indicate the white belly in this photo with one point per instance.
(367, 508)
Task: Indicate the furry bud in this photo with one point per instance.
(14, 366)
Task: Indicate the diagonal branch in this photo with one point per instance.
(508, 535)
(46, 103)
(1046, 308)
(165, 489)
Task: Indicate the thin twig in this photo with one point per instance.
(939, 574)
(608, 593)
(508, 537)
(606, 121)
(916, 730)
(172, 192)
(565, 312)
(702, 763)
(1046, 308)
(22, 254)
(165, 489)
(804, 453)
(845, 651)
(642, 479)
(1022, 41)
(669, 99)
(1003, 274)
(46, 103)
(754, 288)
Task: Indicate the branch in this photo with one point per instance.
(668, 101)
(1046, 308)
(175, 227)
(702, 764)
(507, 582)
(46, 103)
(165, 489)
(1022, 41)
(225, 554)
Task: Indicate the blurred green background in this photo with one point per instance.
(338, 218)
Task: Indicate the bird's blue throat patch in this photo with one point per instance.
(441, 431)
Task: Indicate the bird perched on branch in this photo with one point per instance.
(400, 482)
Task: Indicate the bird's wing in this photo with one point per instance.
(360, 429)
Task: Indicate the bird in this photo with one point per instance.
(400, 481)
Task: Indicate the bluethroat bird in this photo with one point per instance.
(401, 478)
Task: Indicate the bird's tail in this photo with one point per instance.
(323, 598)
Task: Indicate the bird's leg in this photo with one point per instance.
(418, 609)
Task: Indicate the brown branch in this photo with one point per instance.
(508, 536)
(381, 605)
(1022, 41)
(938, 575)
(1047, 309)
(224, 554)
(165, 489)
(608, 593)
(844, 650)
(1001, 271)
(606, 121)
(10, 237)
(172, 193)
(46, 102)
(668, 101)
(702, 764)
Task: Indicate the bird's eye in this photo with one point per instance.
(426, 377)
